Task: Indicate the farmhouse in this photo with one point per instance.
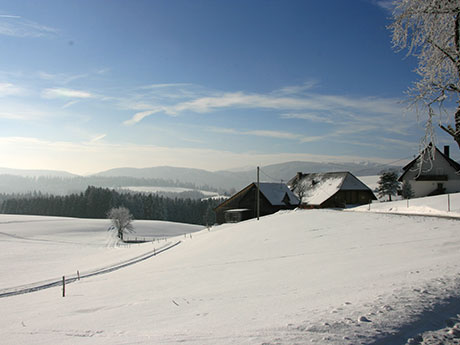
(432, 172)
(243, 205)
(331, 189)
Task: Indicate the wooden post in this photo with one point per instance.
(258, 194)
(63, 286)
(78, 274)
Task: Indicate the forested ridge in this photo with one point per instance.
(66, 185)
(95, 202)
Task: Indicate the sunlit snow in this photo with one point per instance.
(296, 277)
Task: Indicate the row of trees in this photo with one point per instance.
(96, 202)
(65, 185)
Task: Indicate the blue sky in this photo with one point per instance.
(91, 85)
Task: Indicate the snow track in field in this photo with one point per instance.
(18, 290)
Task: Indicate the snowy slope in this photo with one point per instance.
(42, 248)
(310, 276)
(446, 205)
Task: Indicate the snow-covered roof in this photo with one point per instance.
(321, 186)
(276, 193)
(237, 210)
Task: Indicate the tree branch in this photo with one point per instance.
(445, 52)
(449, 130)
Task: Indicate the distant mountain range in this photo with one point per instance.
(238, 179)
(61, 182)
(35, 173)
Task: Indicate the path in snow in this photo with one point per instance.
(32, 287)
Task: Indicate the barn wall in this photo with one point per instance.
(248, 200)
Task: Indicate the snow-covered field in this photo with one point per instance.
(296, 277)
(158, 189)
(447, 205)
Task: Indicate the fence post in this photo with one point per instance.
(448, 202)
(78, 274)
(407, 202)
(63, 286)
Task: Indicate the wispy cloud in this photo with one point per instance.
(8, 89)
(165, 85)
(98, 138)
(17, 26)
(140, 116)
(66, 93)
(297, 89)
(387, 5)
(307, 116)
(69, 104)
(12, 116)
(306, 104)
(268, 134)
(60, 78)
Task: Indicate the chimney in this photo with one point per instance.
(446, 150)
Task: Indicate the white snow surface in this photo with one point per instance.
(296, 277)
(157, 189)
(322, 190)
(446, 205)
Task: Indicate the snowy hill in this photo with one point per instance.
(296, 277)
(445, 205)
(239, 179)
(35, 173)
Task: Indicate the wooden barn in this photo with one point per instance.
(331, 189)
(243, 205)
(432, 172)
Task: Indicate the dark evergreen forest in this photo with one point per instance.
(66, 185)
(95, 202)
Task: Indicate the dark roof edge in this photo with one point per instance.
(449, 160)
(243, 191)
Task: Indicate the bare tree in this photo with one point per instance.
(301, 190)
(430, 30)
(121, 220)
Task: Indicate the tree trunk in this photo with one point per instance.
(457, 126)
(455, 133)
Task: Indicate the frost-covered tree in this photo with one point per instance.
(121, 220)
(300, 191)
(388, 184)
(430, 30)
(406, 190)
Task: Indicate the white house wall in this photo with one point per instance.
(423, 188)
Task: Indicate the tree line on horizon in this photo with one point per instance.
(66, 185)
(96, 202)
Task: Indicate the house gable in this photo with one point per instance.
(432, 172)
(242, 205)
